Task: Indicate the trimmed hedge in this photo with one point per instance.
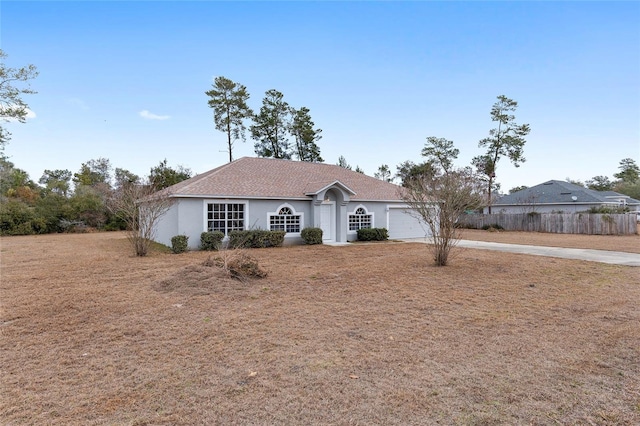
(211, 241)
(311, 235)
(373, 234)
(257, 238)
(179, 244)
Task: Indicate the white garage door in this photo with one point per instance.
(404, 225)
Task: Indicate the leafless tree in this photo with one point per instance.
(528, 204)
(140, 206)
(438, 200)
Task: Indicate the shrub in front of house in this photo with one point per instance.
(373, 234)
(311, 235)
(211, 241)
(256, 238)
(179, 244)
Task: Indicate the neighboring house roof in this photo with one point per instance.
(250, 177)
(561, 192)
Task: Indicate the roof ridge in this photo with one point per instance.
(185, 184)
(314, 164)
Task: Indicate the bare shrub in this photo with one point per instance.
(438, 200)
(140, 206)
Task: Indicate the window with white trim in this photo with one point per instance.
(360, 219)
(285, 220)
(225, 217)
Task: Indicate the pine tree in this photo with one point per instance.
(229, 103)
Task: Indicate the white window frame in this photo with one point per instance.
(245, 214)
(293, 213)
(353, 213)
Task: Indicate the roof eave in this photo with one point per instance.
(244, 197)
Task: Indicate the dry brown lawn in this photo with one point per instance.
(360, 334)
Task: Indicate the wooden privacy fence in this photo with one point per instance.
(559, 223)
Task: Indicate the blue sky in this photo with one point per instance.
(126, 80)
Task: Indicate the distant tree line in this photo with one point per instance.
(626, 181)
(62, 201)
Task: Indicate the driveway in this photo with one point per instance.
(603, 256)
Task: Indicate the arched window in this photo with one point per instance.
(360, 219)
(285, 220)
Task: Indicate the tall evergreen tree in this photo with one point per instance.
(271, 125)
(163, 176)
(342, 162)
(91, 192)
(305, 136)
(383, 173)
(518, 188)
(629, 170)
(408, 171)
(440, 152)
(57, 181)
(94, 173)
(124, 177)
(506, 140)
(229, 102)
(629, 178)
(600, 183)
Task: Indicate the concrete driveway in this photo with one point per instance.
(603, 256)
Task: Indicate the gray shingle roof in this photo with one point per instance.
(250, 177)
(561, 192)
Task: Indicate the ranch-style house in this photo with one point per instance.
(274, 194)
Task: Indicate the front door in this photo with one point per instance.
(328, 221)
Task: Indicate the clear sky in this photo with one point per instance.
(126, 80)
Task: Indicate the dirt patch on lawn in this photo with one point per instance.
(360, 334)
